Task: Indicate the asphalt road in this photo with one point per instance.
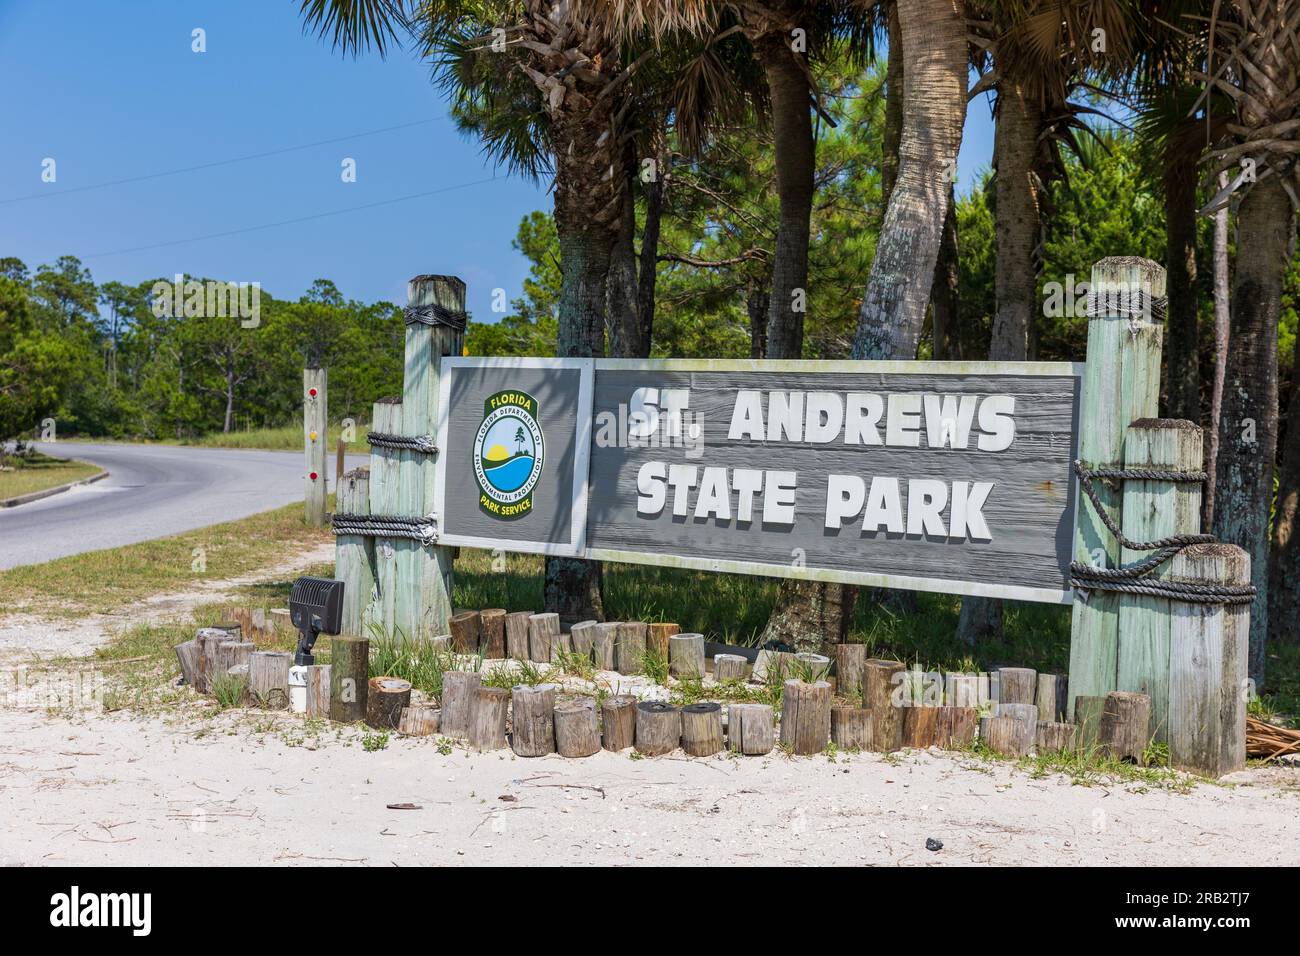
(152, 491)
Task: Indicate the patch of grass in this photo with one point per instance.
(229, 690)
(371, 742)
(1092, 766)
(654, 665)
(283, 438)
(23, 475)
(421, 662)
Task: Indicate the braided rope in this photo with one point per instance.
(1176, 542)
(420, 443)
(424, 530)
(434, 314)
(1186, 591)
(1125, 301)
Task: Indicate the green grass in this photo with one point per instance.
(284, 438)
(38, 472)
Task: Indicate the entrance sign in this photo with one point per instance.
(953, 477)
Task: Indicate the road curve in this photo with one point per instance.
(152, 491)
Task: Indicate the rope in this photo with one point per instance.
(1125, 301)
(424, 530)
(434, 314)
(1133, 579)
(421, 443)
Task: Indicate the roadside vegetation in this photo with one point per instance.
(24, 474)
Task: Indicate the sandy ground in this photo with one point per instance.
(85, 787)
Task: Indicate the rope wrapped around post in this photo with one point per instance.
(424, 530)
(434, 314)
(1132, 579)
(421, 443)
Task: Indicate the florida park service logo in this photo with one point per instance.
(508, 455)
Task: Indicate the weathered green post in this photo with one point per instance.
(314, 406)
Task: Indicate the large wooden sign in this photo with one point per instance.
(934, 476)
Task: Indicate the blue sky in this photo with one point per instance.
(111, 90)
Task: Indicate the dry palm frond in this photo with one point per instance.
(1268, 741)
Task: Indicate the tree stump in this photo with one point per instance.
(849, 659)
(208, 638)
(1017, 685)
(955, 727)
(878, 683)
(268, 679)
(1052, 697)
(751, 729)
(729, 667)
(1087, 722)
(187, 656)
(1012, 732)
(920, 727)
(618, 714)
(419, 720)
(458, 690)
(517, 635)
(1126, 725)
(658, 728)
(487, 718)
(233, 653)
(702, 728)
(533, 728)
(466, 631)
(962, 690)
(349, 666)
(583, 638)
(543, 637)
(817, 666)
(850, 726)
(318, 690)
(686, 656)
(1052, 736)
(629, 655)
(576, 731)
(493, 635)
(657, 636)
(806, 717)
(386, 698)
(603, 649)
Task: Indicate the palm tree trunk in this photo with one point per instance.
(649, 271)
(945, 291)
(933, 35)
(1248, 428)
(624, 322)
(1284, 569)
(893, 106)
(1184, 374)
(1221, 329)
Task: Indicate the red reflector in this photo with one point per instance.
(313, 476)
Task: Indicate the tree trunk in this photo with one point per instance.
(792, 136)
(945, 292)
(933, 35)
(645, 297)
(623, 320)
(756, 303)
(1284, 570)
(1248, 428)
(1221, 328)
(893, 107)
(230, 405)
(1184, 373)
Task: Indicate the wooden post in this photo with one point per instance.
(533, 729)
(419, 720)
(955, 727)
(386, 698)
(920, 726)
(618, 714)
(543, 636)
(576, 730)
(729, 667)
(850, 726)
(487, 718)
(878, 682)
(340, 462)
(849, 659)
(1051, 697)
(268, 679)
(629, 652)
(657, 636)
(1154, 510)
(962, 690)
(385, 479)
(1007, 736)
(493, 635)
(465, 632)
(658, 728)
(603, 648)
(458, 690)
(517, 635)
(314, 418)
(318, 690)
(806, 717)
(354, 554)
(232, 654)
(751, 729)
(686, 655)
(1016, 685)
(187, 655)
(1207, 666)
(582, 636)
(349, 667)
(1121, 384)
(1052, 736)
(205, 656)
(1126, 725)
(702, 728)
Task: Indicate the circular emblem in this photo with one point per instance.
(509, 453)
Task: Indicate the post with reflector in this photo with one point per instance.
(314, 417)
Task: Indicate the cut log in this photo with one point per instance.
(920, 727)
(1126, 726)
(702, 728)
(657, 636)
(1087, 721)
(686, 656)
(879, 680)
(602, 651)
(583, 638)
(517, 635)
(349, 665)
(419, 720)
(487, 718)
(813, 667)
(962, 690)
(1052, 697)
(629, 654)
(806, 717)
(851, 726)
(1052, 736)
(386, 698)
(493, 633)
(268, 679)
(207, 639)
(466, 631)
(533, 727)
(1016, 685)
(658, 728)
(729, 667)
(1012, 732)
(751, 729)
(955, 727)
(187, 656)
(543, 637)
(233, 653)
(849, 659)
(458, 690)
(618, 714)
(576, 730)
(318, 690)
